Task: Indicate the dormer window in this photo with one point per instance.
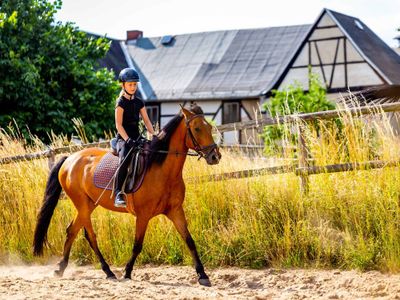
(358, 24)
(167, 40)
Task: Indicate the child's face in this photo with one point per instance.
(131, 87)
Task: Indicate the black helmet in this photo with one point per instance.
(128, 75)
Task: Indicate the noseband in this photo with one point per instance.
(204, 151)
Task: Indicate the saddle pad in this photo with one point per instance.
(105, 171)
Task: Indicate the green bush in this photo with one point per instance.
(293, 99)
(50, 72)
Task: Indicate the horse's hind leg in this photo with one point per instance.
(91, 237)
(72, 231)
(177, 216)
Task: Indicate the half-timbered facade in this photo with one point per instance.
(345, 54)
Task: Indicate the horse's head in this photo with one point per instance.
(199, 135)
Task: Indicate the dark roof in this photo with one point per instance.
(375, 51)
(115, 59)
(221, 64)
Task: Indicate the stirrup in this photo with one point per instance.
(117, 202)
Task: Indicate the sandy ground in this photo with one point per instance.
(165, 282)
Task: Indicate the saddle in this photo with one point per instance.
(108, 165)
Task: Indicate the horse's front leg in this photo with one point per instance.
(141, 226)
(177, 216)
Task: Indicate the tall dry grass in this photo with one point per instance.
(347, 220)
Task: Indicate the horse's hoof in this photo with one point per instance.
(112, 277)
(205, 282)
(58, 273)
(126, 279)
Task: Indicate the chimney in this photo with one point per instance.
(133, 35)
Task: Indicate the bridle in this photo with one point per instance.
(202, 151)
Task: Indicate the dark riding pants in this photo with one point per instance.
(124, 158)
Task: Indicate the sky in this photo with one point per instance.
(172, 17)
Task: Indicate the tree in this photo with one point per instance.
(50, 73)
(293, 99)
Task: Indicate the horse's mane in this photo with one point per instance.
(163, 143)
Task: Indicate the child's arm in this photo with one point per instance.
(119, 112)
(146, 120)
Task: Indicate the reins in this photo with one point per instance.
(171, 152)
(199, 150)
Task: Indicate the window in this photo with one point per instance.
(153, 112)
(167, 39)
(231, 112)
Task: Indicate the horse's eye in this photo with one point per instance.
(197, 129)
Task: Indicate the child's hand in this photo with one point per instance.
(160, 135)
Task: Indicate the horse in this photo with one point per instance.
(162, 190)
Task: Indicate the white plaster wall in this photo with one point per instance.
(231, 138)
(218, 118)
(327, 50)
(338, 77)
(352, 53)
(324, 33)
(328, 73)
(362, 74)
(326, 20)
(170, 108)
(302, 59)
(209, 106)
(300, 75)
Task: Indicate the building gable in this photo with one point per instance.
(333, 54)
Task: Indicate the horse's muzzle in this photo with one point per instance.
(213, 157)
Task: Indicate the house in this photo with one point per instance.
(231, 73)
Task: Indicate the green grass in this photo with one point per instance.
(347, 220)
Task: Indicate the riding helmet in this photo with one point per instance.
(128, 75)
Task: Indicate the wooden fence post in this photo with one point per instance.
(303, 160)
(51, 159)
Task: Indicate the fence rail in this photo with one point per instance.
(51, 152)
(244, 174)
(299, 171)
(346, 167)
(303, 169)
(321, 115)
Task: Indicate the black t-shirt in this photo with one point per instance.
(130, 117)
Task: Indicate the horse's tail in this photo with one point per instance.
(50, 200)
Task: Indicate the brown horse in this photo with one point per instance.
(162, 191)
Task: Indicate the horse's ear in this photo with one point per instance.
(186, 113)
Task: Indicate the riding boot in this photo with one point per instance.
(119, 200)
(119, 193)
